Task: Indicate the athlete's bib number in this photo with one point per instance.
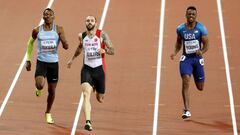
(191, 46)
(48, 45)
(92, 53)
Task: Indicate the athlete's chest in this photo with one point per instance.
(193, 34)
(48, 35)
(93, 42)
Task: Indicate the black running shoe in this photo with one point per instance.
(88, 125)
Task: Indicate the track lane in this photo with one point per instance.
(209, 114)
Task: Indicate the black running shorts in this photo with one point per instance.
(49, 70)
(95, 77)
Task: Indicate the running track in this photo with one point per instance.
(133, 27)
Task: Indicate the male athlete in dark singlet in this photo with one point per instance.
(193, 36)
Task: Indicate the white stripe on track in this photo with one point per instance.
(224, 45)
(18, 72)
(81, 98)
(159, 63)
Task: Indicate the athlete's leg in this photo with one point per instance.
(87, 90)
(185, 91)
(198, 73)
(100, 97)
(51, 95)
(200, 85)
(39, 82)
(99, 83)
(40, 74)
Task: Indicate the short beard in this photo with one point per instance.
(89, 29)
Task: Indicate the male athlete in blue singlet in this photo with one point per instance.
(95, 44)
(194, 38)
(48, 36)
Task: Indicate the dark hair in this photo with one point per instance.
(48, 9)
(191, 8)
(93, 17)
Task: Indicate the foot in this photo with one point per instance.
(38, 92)
(186, 114)
(49, 118)
(88, 125)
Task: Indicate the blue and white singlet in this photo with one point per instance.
(48, 42)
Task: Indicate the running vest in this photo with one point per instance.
(90, 48)
(191, 38)
(48, 42)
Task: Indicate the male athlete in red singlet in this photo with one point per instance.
(94, 43)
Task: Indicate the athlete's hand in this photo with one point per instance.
(199, 52)
(28, 65)
(101, 51)
(172, 56)
(69, 64)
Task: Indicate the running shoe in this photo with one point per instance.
(38, 92)
(88, 125)
(49, 118)
(186, 114)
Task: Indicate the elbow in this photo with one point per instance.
(65, 47)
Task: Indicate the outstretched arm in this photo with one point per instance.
(178, 46)
(77, 52)
(106, 40)
(62, 37)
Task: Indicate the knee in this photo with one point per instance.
(185, 82)
(86, 92)
(100, 97)
(200, 88)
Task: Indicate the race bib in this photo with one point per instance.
(48, 45)
(191, 46)
(92, 53)
(201, 61)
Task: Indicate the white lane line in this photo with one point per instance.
(81, 98)
(10, 90)
(227, 67)
(159, 63)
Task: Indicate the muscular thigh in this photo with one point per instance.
(86, 75)
(185, 66)
(99, 79)
(52, 72)
(198, 72)
(41, 69)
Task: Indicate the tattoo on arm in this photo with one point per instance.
(109, 47)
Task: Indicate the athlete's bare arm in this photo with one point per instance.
(62, 37)
(77, 52)
(106, 40)
(205, 44)
(35, 32)
(178, 47)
